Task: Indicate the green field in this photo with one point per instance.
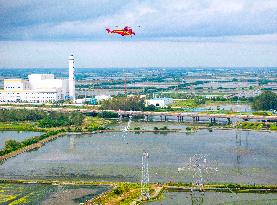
(13, 193)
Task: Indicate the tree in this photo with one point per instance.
(56, 119)
(150, 108)
(265, 101)
(11, 145)
(199, 100)
(124, 103)
(20, 115)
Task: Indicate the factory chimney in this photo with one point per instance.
(71, 78)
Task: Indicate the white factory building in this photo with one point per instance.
(40, 88)
(159, 102)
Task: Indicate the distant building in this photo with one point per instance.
(248, 94)
(102, 97)
(159, 102)
(91, 101)
(270, 86)
(39, 88)
(80, 101)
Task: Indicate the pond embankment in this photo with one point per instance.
(30, 147)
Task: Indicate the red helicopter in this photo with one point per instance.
(126, 31)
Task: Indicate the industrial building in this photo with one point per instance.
(159, 102)
(40, 88)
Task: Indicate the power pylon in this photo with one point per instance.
(145, 176)
(199, 167)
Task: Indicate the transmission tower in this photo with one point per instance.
(200, 168)
(145, 176)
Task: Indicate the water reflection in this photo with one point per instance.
(241, 149)
(72, 142)
(197, 198)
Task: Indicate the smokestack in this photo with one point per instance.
(71, 78)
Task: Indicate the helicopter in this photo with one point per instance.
(126, 31)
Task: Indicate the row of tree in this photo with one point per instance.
(57, 119)
(124, 103)
(44, 119)
(265, 101)
(21, 115)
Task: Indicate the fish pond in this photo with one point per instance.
(240, 156)
(211, 198)
(15, 135)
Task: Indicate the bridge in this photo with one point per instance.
(195, 116)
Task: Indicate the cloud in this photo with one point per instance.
(159, 19)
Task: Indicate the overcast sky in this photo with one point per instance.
(183, 33)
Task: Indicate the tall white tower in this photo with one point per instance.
(71, 78)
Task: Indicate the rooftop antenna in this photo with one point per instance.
(145, 176)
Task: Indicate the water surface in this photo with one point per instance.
(211, 198)
(241, 156)
(15, 135)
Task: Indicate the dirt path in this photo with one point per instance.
(156, 193)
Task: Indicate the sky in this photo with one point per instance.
(169, 33)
